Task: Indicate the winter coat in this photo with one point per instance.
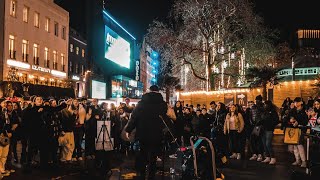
(239, 123)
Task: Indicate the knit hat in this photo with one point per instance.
(259, 98)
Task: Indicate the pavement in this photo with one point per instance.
(123, 168)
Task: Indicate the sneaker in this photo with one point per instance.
(259, 158)
(303, 164)
(238, 156)
(12, 170)
(296, 163)
(5, 173)
(159, 159)
(74, 159)
(273, 161)
(267, 160)
(173, 156)
(253, 158)
(233, 156)
(80, 159)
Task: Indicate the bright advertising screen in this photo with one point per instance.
(98, 90)
(117, 49)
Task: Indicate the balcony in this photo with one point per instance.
(36, 60)
(25, 57)
(12, 54)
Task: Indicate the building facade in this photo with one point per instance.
(77, 63)
(149, 63)
(34, 44)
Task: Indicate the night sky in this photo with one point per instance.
(285, 15)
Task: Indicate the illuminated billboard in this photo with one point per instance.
(117, 49)
(98, 90)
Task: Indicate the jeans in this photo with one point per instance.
(234, 138)
(78, 137)
(256, 144)
(267, 143)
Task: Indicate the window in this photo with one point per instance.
(83, 52)
(47, 25)
(77, 68)
(71, 47)
(25, 14)
(46, 57)
(55, 58)
(77, 50)
(82, 69)
(13, 8)
(63, 32)
(56, 29)
(62, 62)
(70, 67)
(25, 50)
(36, 19)
(12, 51)
(36, 54)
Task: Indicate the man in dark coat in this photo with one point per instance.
(149, 127)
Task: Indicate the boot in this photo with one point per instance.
(273, 161)
(253, 158)
(233, 156)
(267, 160)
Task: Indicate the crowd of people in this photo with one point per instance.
(57, 131)
(65, 130)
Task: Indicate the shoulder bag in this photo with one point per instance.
(292, 136)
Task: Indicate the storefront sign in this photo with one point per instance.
(18, 64)
(75, 77)
(241, 99)
(138, 70)
(42, 69)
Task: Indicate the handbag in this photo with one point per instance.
(4, 140)
(257, 130)
(292, 136)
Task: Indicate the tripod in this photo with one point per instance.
(102, 131)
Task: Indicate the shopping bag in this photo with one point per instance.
(292, 136)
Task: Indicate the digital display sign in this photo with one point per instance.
(98, 90)
(117, 49)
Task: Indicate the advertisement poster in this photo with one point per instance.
(241, 99)
(228, 99)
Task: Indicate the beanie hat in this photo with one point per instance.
(259, 98)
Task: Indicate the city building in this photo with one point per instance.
(34, 38)
(149, 63)
(77, 62)
(112, 51)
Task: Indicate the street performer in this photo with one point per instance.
(149, 127)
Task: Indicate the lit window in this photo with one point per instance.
(63, 32)
(12, 52)
(36, 19)
(25, 49)
(47, 25)
(25, 14)
(77, 68)
(13, 8)
(77, 50)
(46, 57)
(82, 69)
(55, 59)
(71, 47)
(36, 54)
(70, 67)
(83, 53)
(56, 29)
(62, 62)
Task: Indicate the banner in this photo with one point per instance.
(228, 99)
(241, 99)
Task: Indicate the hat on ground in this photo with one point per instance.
(259, 98)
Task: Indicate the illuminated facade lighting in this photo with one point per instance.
(58, 73)
(19, 64)
(109, 16)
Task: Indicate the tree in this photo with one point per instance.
(261, 76)
(208, 35)
(166, 81)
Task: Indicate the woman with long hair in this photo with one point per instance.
(233, 126)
